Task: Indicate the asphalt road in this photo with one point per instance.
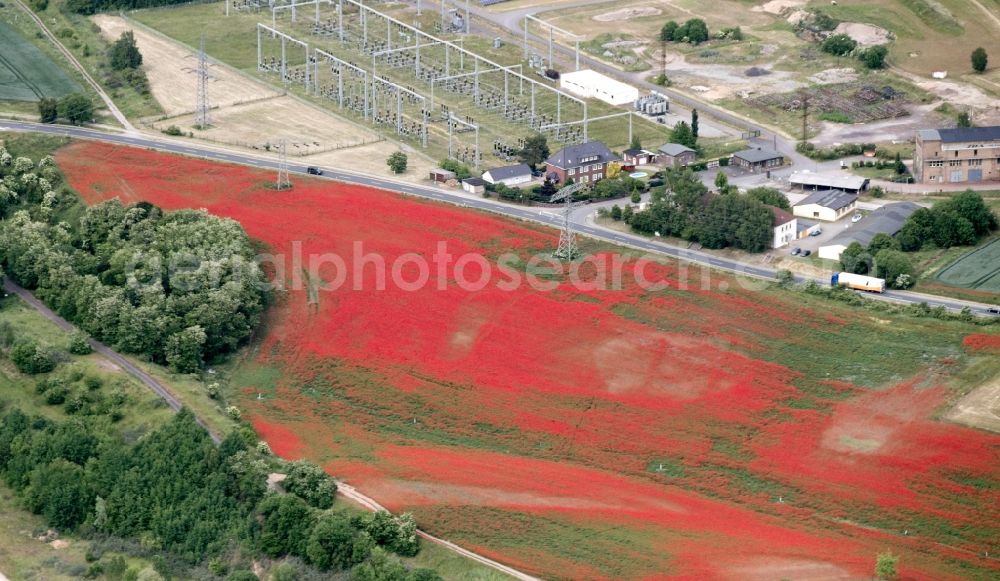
(549, 216)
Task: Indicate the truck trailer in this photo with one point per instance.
(858, 282)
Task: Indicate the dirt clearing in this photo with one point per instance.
(170, 68)
(864, 34)
(261, 124)
(628, 14)
(980, 408)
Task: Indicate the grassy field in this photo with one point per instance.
(931, 36)
(979, 269)
(26, 73)
(84, 40)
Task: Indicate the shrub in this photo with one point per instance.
(173, 130)
(78, 343)
(838, 44)
(29, 357)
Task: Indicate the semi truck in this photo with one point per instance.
(858, 282)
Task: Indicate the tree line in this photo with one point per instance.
(962, 220)
(687, 210)
(180, 288)
(177, 493)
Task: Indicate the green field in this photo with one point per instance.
(979, 269)
(26, 74)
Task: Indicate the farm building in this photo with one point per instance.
(587, 83)
(635, 157)
(828, 205)
(829, 181)
(959, 155)
(675, 155)
(441, 175)
(508, 175)
(786, 227)
(586, 162)
(757, 159)
(474, 185)
(888, 219)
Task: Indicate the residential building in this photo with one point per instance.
(827, 205)
(757, 159)
(888, 219)
(786, 227)
(634, 157)
(587, 83)
(959, 155)
(844, 182)
(583, 163)
(675, 155)
(508, 175)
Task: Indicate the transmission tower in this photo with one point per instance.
(283, 182)
(202, 120)
(567, 249)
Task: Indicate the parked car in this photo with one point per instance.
(796, 251)
(856, 217)
(816, 232)
(806, 252)
(993, 310)
(314, 171)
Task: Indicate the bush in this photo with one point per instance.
(874, 57)
(78, 343)
(397, 162)
(29, 357)
(48, 110)
(838, 45)
(310, 483)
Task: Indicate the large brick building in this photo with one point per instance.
(960, 155)
(586, 162)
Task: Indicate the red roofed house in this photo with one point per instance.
(785, 227)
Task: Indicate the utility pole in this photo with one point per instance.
(282, 182)
(805, 116)
(202, 120)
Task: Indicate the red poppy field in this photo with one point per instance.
(698, 431)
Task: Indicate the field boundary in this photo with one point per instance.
(83, 71)
(977, 284)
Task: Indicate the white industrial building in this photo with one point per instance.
(827, 205)
(587, 83)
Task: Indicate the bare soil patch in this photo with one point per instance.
(768, 569)
(628, 14)
(979, 409)
(171, 67)
(864, 34)
(262, 124)
(778, 7)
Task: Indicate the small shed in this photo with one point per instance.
(634, 157)
(474, 185)
(441, 175)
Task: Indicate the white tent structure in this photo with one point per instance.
(587, 83)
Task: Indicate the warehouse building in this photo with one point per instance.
(592, 84)
(959, 155)
(888, 219)
(827, 205)
(829, 181)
